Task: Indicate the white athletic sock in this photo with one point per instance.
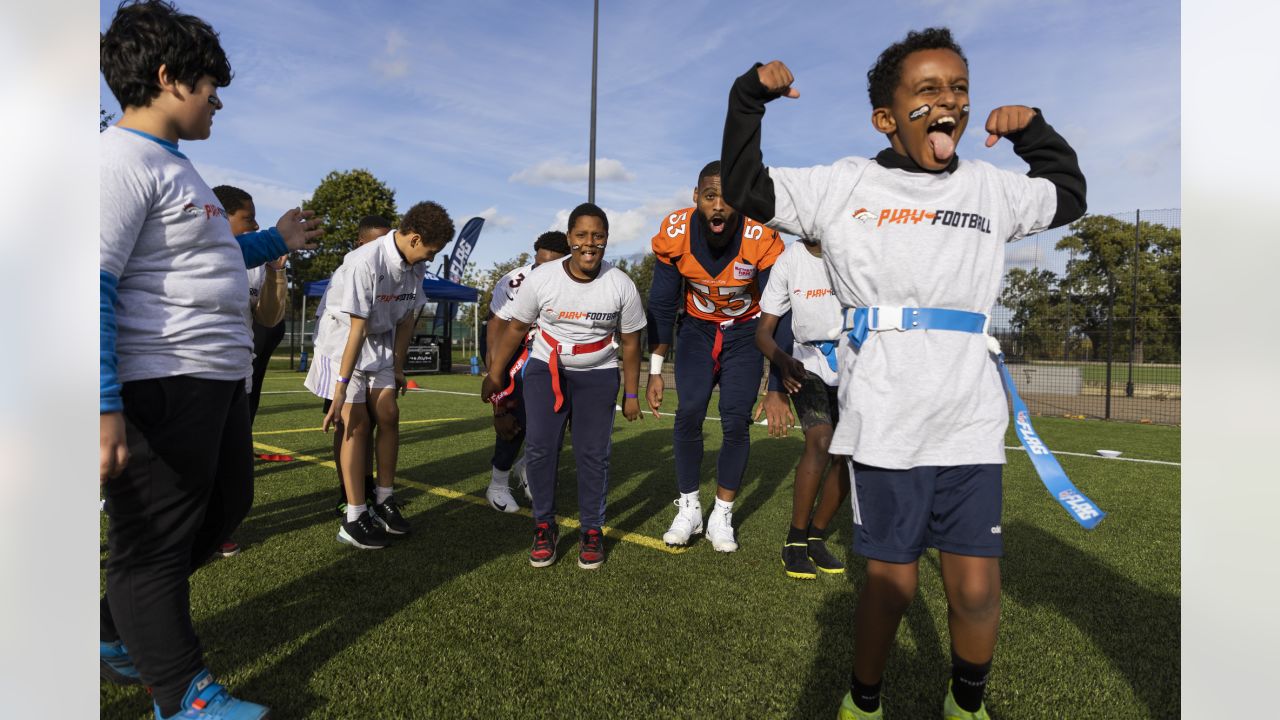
(355, 511)
(724, 504)
(500, 478)
(381, 494)
(690, 498)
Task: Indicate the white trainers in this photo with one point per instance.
(517, 474)
(688, 521)
(720, 529)
(500, 499)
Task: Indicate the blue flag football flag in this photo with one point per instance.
(1078, 506)
(462, 248)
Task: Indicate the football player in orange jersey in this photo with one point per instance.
(714, 262)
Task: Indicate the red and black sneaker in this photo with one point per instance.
(543, 552)
(591, 549)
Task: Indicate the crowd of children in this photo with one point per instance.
(874, 331)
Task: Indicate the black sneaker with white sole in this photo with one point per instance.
(388, 515)
(363, 533)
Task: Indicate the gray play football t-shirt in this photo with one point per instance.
(577, 312)
(896, 238)
(375, 283)
(799, 283)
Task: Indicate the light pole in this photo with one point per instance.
(595, 46)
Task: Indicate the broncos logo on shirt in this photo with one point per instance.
(717, 289)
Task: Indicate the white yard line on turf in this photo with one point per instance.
(763, 422)
(1099, 457)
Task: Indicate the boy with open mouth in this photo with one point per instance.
(913, 241)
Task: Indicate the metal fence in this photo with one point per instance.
(1090, 318)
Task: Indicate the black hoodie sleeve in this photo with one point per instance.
(1051, 158)
(744, 179)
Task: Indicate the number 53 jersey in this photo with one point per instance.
(724, 288)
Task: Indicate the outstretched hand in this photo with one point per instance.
(777, 78)
(299, 228)
(1007, 119)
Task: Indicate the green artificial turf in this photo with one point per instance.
(452, 622)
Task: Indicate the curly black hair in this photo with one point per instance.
(588, 210)
(552, 240)
(233, 199)
(149, 33)
(369, 222)
(884, 76)
(430, 221)
(711, 169)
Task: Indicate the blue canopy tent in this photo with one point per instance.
(436, 290)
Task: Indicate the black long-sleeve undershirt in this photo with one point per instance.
(747, 186)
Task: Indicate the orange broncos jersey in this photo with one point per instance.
(732, 293)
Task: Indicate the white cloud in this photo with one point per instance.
(493, 219)
(392, 64)
(271, 198)
(554, 172)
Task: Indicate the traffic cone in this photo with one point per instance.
(412, 385)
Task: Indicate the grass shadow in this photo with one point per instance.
(1137, 629)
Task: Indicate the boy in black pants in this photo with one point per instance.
(174, 439)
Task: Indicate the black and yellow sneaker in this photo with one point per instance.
(822, 557)
(795, 561)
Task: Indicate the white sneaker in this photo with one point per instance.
(688, 521)
(517, 474)
(500, 499)
(720, 529)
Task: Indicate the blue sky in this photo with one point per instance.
(484, 105)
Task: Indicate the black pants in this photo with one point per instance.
(265, 341)
(188, 485)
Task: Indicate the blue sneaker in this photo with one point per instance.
(207, 700)
(115, 665)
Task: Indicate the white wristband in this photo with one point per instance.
(655, 364)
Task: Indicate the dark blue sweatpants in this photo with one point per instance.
(591, 397)
(741, 367)
(505, 451)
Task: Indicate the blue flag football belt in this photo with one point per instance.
(828, 350)
(859, 322)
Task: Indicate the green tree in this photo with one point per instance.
(104, 118)
(1104, 267)
(641, 272)
(1033, 299)
(340, 201)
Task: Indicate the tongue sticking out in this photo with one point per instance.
(943, 146)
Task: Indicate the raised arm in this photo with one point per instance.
(745, 180)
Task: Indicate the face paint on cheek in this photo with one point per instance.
(964, 110)
(919, 112)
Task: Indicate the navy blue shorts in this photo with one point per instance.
(899, 513)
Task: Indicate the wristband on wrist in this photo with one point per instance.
(655, 364)
(630, 396)
(344, 380)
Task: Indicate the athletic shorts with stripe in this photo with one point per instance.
(323, 373)
(899, 513)
(816, 402)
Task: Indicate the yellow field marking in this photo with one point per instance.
(316, 429)
(622, 535)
